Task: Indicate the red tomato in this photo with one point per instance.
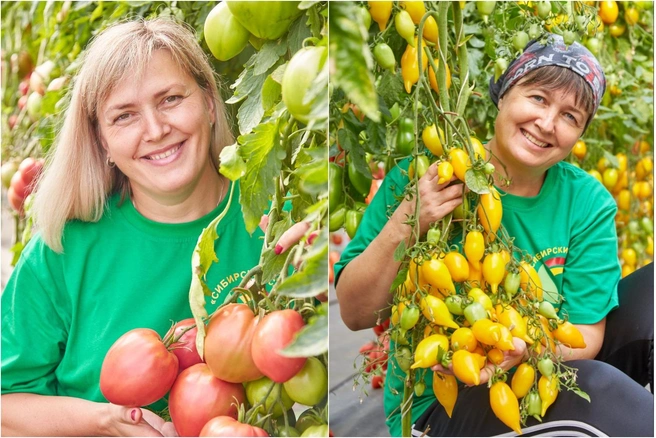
(21, 188)
(377, 382)
(30, 169)
(228, 426)
(138, 369)
(185, 347)
(15, 201)
(197, 396)
(228, 344)
(273, 333)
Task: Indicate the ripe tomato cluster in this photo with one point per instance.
(21, 182)
(241, 368)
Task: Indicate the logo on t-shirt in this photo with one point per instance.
(553, 262)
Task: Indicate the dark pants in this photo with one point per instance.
(615, 382)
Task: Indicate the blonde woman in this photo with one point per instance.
(131, 183)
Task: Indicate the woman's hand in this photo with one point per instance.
(436, 200)
(511, 358)
(124, 421)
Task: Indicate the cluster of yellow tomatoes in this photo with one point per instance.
(631, 182)
(464, 307)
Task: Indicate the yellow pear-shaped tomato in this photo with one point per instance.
(460, 161)
(457, 265)
(486, 331)
(474, 248)
(445, 387)
(569, 335)
(466, 367)
(530, 280)
(505, 406)
(490, 211)
(436, 273)
(494, 270)
(427, 353)
(435, 310)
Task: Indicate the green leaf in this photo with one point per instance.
(270, 93)
(311, 340)
(278, 73)
(232, 166)
(262, 151)
(245, 84)
(581, 394)
(313, 178)
(311, 280)
(268, 55)
(298, 31)
(376, 143)
(399, 252)
(399, 279)
(353, 62)
(476, 181)
(201, 260)
(391, 88)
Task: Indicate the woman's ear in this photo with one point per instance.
(210, 108)
(499, 103)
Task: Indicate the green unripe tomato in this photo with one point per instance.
(546, 366)
(520, 40)
(544, 9)
(385, 57)
(224, 35)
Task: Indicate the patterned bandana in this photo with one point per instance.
(574, 57)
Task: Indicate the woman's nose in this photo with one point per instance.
(156, 126)
(546, 122)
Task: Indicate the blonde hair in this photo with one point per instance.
(77, 181)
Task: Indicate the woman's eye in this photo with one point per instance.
(571, 117)
(122, 117)
(171, 99)
(538, 98)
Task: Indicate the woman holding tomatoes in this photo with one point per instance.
(131, 184)
(546, 99)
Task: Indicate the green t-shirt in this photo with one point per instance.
(569, 228)
(62, 312)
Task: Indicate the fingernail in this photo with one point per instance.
(133, 414)
(278, 249)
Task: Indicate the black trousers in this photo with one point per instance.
(615, 382)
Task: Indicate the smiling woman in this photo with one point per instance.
(132, 183)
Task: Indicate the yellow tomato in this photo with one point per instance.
(416, 9)
(432, 140)
(430, 30)
(427, 352)
(608, 11)
(596, 175)
(580, 149)
(629, 256)
(624, 199)
(481, 297)
(463, 339)
(433, 79)
(457, 265)
(631, 16)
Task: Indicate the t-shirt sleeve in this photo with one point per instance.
(33, 332)
(592, 271)
(376, 215)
